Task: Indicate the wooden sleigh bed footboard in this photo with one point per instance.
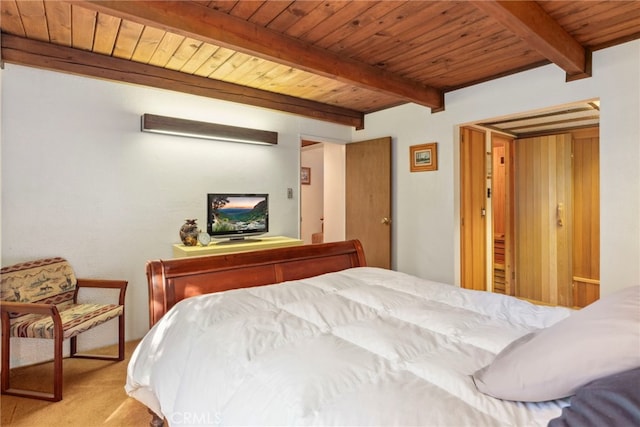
(173, 280)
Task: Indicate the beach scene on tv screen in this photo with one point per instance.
(238, 214)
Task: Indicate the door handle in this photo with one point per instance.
(560, 214)
(385, 221)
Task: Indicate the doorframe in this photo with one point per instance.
(473, 222)
(487, 226)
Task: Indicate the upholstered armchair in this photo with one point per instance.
(39, 299)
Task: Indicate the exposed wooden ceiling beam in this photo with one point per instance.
(33, 53)
(191, 19)
(529, 21)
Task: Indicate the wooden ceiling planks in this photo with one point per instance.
(459, 66)
(83, 24)
(343, 39)
(457, 41)
(531, 23)
(166, 49)
(241, 9)
(34, 20)
(582, 18)
(292, 14)
(335, 20)
(377, 32)
(263, 15)
(439, 45)
(221, 55)
(190, 20)
(199, 58)
(142, 42)
(59, 22)
(187, 49)
(107, 28)
(308, 21)
(11, 21)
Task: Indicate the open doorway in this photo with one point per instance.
(351, 187)
(500, 180)
(312, 192)
(322, 193)
(541, 201)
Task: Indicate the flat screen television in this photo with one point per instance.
(236, 216)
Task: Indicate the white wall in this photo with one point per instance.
(426, 204)
(312, 195)
(334, 192)
(80, 180)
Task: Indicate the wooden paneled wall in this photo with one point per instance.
(586, 217)
(498, 186)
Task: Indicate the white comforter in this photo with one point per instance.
(363, 346)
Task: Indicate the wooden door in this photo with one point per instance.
(543, 212)
(368, 194)
(473, 210)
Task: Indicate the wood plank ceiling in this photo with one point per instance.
(579, 115)
(330, 60)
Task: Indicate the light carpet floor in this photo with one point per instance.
(93, 395)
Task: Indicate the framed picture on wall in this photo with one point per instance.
(305, 175)
(424, 157)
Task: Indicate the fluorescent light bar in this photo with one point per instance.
(194, 129)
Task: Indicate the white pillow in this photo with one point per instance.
(599, 340)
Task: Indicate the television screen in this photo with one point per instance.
(237, 215)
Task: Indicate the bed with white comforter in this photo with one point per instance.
(363, 346)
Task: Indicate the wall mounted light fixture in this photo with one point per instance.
(194, 129)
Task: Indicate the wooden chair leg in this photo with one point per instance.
(73, 346)
(6, 351)
(58, 339)
(121, 336)
(56, 395)
(57, 367)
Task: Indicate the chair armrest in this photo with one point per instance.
(29, 308)
(105, 284)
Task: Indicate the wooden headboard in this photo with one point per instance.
(173, 280)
